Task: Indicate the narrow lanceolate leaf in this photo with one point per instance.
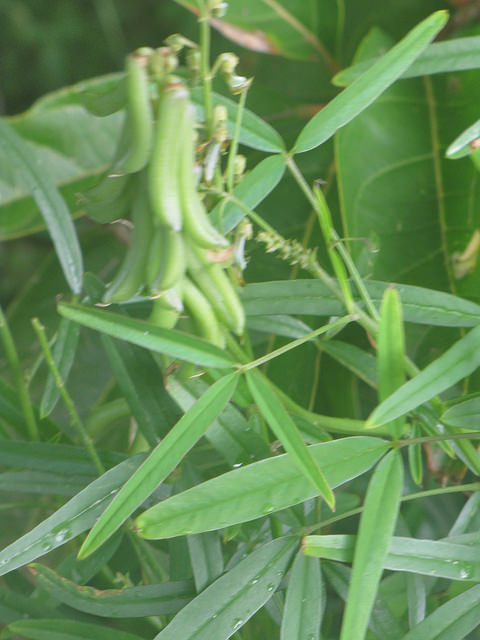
(63, 354)
(58, 629)
(464, 415)
(286, 431)
(312, 297)
(370, 85)
(452, 621)
(77, 515)
(439, 558)
(162, 461)
(304, 601)
(391, 351)
(134, 602)
(456, 363)
(253, 188)
(172, 343)
(460, 147)
(50, 203)
(226, 605)
(255, 132)
(374, 536)
(440, 57)
(257, 489)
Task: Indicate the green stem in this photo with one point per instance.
(234, 143)
(205, 67)
(296, 343)
(75, 418)
(22, 390)
(460, 488)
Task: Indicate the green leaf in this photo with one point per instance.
(252, 190)
(312, 297)
(440, 558)
(16, 606)
(257, 489)
(255, 132)
(451, 621)
(162, 461)
(51, 204)
(460, 147)
(55, 629)
(455, 364)
(68, 630)
(304, 601)
(77, 515)
(230, 432)
(286, 431)
(137, 375)
(230, 601)
(42, 482)
(134, 602)
(463, 415)
(375, 531)
(370, 85)
(57, 458)
(172, 343)
(391, 351)
(64, 351)
(382, 621)
(440, 57)
(205, 557)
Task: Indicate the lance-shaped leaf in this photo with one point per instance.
(133, 602)
(77, 515)
(286, 431)
(370, 85)
(51, 204)
(440, 57)
(162, 461)
(452, 621)
(57, 629)
(255, 132)
(464, 415)
(304, 601)
(374, 535)
(257, 489)
(224, 607)
(458, 362)
(460, 147)
(312, 297)
(391, 351)
(253, 188)
(440, 558)
(172, 343)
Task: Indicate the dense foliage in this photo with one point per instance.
(239, 357)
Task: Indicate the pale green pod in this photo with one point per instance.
(202, 314)
(163, 170)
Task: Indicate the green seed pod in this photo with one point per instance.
(139, 115)
(163, 180)
(167, 261)
(130, 278)
(202, 314)
(195, 219)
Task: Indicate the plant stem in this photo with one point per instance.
(234, 143)
(459, 488)
(205, 67)
(22, 390)
(75, 418)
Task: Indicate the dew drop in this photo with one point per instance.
(237, 464)
(268, 508)
(255, 580)
(146, 333)
(270, 587)
(215, 615)
(237, 623)
(62, 535)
